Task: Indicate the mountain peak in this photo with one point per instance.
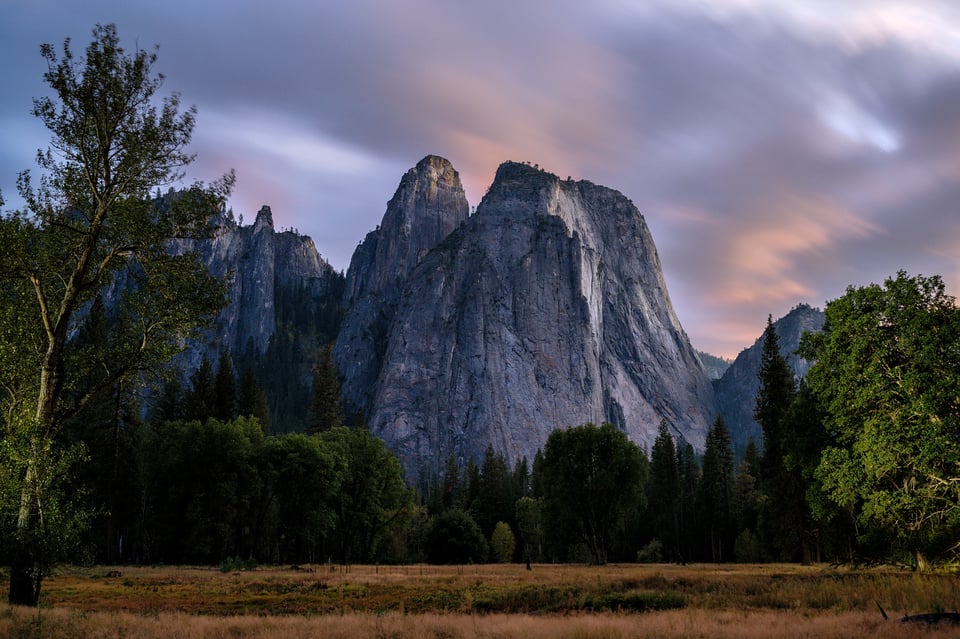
(545, 310)
(264, 218)
(427, 206)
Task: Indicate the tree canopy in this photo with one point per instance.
(91, 228)
(592, 479)
(887, 376)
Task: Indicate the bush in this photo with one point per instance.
(455, 538)
(635, 601)
(502, 543)
(236, 564)
(746, 548)
(652, 553)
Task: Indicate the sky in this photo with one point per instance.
(780, 151)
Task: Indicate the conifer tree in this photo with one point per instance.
(252, 400)
(689, 471)
(325, 407)
(716, 493)
(225, 389)
(663, 492)
(780, 531)
(200, 399)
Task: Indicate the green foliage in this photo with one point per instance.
(689, 471)
(455, 538)
(746, 548)
(716, 493)
(200, 400)
(90, 229)
(502, 543)
(298, 479)
(252, 400)
(371, 495)
(529, 512)
(495, 494)
(592, 479)
(652, 553)
(199, 481)
(325, 409)
(224, 389)
(37, 470)
(236, 564)
(781, 521)
(663, 493)
(887, 376)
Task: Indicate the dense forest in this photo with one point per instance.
(247, 463)
(203, 481)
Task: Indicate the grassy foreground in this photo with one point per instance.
(485, 601)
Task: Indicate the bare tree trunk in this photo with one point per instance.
(26, 571)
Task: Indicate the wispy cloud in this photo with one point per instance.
(779, 151)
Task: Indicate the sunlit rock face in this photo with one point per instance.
(737, 389)
(427, 206)
(545, 309)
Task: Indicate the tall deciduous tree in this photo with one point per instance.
(371, 495)
(592, 478)
(887, 374)
(91, 227)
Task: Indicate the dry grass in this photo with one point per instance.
(485, 601)
(70, 624)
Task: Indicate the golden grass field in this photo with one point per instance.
(495, 601)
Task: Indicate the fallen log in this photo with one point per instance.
(934, 619)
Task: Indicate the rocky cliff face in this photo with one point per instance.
(427, 206)
(737, 389)
(545, 309)
(256, 260)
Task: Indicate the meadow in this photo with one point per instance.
(487, 601)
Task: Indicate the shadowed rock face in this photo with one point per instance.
(737, 389)
(545, 309)
(255, 259)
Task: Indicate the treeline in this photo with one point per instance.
(204, 481)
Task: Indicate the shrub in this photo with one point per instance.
(235, 564)
(455, 538)
(502, 543)
(652, 553)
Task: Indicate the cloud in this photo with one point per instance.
(779, 151)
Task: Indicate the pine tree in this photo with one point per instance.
(777, 390)
(325, 409)
(495, 501)
(663, 492)
(689, 472)
(169, 406)
(200, 399)
(717, 492)
(780, 531)
(252, 400)
(225, 389)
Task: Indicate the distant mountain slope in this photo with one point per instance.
(714, 366)
(738, 387)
